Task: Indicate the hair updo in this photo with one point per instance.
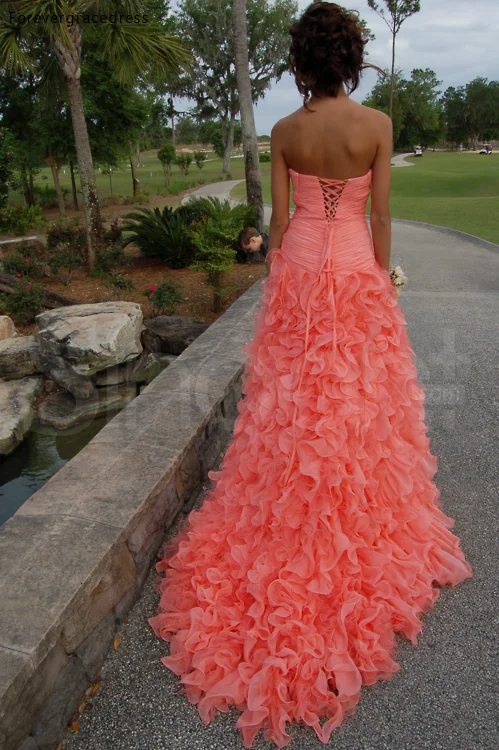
(327, 49)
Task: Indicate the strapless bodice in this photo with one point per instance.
(329, 222)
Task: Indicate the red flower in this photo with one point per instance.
(19, 274)
(27, 260)
(86, 247)
(152, 288)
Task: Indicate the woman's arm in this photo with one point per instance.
(279, 183)
(380, 219)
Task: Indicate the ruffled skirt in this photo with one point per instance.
(283, 599)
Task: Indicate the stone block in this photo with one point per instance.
(53, 719)
(92, 651)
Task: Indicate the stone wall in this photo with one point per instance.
(74, 557)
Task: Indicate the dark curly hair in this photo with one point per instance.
(327, 49)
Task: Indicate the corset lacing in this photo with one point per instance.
(332, 195)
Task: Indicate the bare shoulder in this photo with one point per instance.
(378, 119)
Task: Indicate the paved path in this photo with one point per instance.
(445, 695)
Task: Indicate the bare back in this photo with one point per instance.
(341, 139)
(338, 140)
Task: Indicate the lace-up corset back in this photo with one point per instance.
(325, 207)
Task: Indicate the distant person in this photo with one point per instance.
(254, 245)
(460, 148)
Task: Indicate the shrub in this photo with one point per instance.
(16, 264)
(46, 195)
(183, 162)
(141, 198)
(111, 258)
(264, 156)
(67, 232)
(199, 158)
(64, 260)
(164, 298)
(214, 240)
(27, 302)
(161, 234)
(118, 283)
(20, 219)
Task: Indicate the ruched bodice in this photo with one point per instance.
(329, 223)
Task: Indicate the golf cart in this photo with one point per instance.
(486, 149)
(418, 151)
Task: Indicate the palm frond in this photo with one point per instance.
(133, 51)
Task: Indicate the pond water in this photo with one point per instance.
(42, 453)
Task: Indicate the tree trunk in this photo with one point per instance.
(228, 144)
(55, 168)
(250, 143)
(135, 180)
(70, 61)
(73, 185)
(392, 82)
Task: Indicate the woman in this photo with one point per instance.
(323, 533)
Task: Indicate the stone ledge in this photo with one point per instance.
(74, 557)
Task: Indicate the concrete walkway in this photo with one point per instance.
(445, 695)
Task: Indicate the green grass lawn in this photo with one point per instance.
(150, 175)
(460, 191)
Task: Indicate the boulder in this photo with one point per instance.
(171, 334)
(77, 341)
(17, 410)
(62, 410)
(18, 357)
(7, 328)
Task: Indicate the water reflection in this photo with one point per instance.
(42, 453)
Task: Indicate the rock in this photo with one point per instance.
(63, 410)
(17, 357)
(171, 334)
(17, 399)
(55, 367)
(140, 370)
(145, 368)
(77, 341)
(7, 328)
(114, 375)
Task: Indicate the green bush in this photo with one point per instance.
(111, 258)
(46, 195)
(264, 156)
(64, 259)
(17, 264)
(20, 219)
(164, 298)
(141, 198)
(119, 283)
(67, 232)
(26, 303)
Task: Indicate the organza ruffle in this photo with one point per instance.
(285, 600)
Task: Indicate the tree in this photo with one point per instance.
(399, 11)
(250, 144)
(210, 26)
(132, 50)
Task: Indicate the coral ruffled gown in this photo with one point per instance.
(323, 533)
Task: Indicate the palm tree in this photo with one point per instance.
(132, 50)
(250, 144)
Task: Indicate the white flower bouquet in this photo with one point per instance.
(398, 278)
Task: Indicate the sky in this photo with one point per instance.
(458, 39)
